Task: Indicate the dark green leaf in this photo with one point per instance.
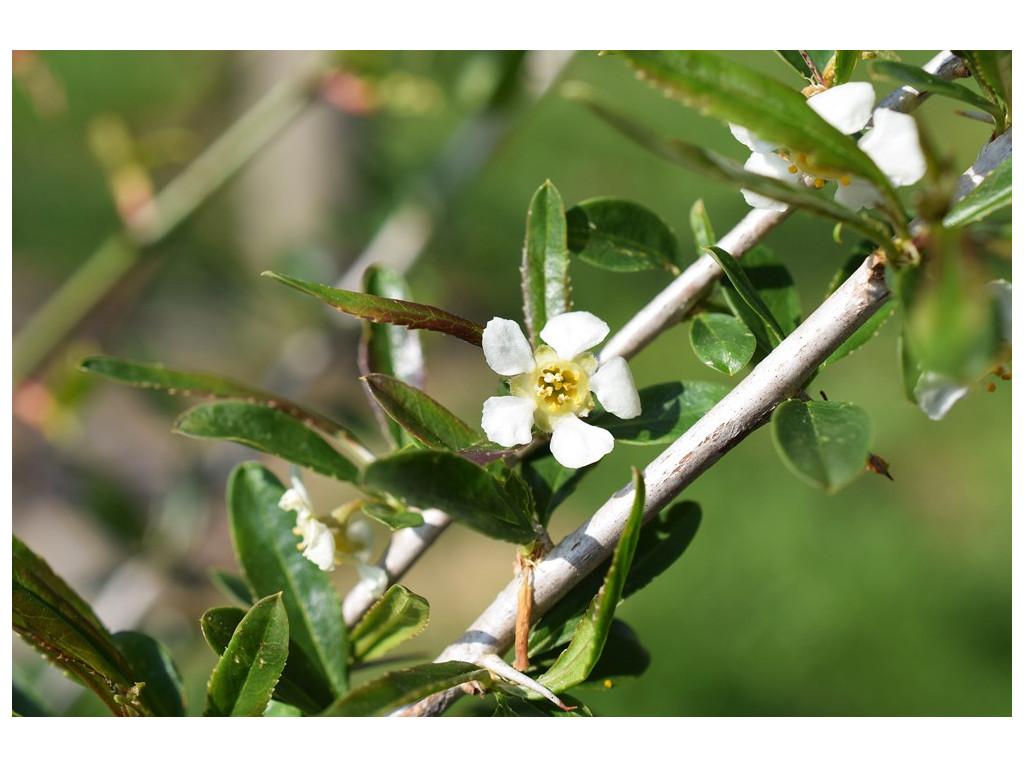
(435, 479)
(300, 685)
(25, 704)
(578, 660)
(993, 71)
(623, 659)
(796, 60)
(390, 349)
(823, 443)
(700, 223)
(394, 518)
(193, 383)
(550, 482)
(722, 342)
(920, 80)
(668, 410)
(546, 291)
(993, 194)
(662, 541)
(393, 311)
(863, 334)
(266, 548)
(511, 705)
(243, 680)
(748, 293)
(398, 616)
(233, 586)
(621, 236)
(52, 618)
(399, 689)
(164, 692)
(420, 415)
(778, 114)
(267, 430)
(769, 279)
(717, 168)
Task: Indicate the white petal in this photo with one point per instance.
(894, 146)
(372, 578)
(359, 532)
(936, 394)
(573, 332)
(768, 164)
(319, 543)
(614, 387)
(505, 347)
(508, 420)
(846, 107)
(857, 194)
(575, 443)
(750, 139)
(763, 203)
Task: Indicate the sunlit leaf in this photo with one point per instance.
(420, 415)
(399, 689)
(621, 235)
(993, 194)
(921, 80)
(823, 443)
(700, 223)
(667, 411)
(546, 291)
(743, 286)
(398, 616)
(722, 342)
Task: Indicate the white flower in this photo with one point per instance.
(340, 538)
(551, 387)
(892, 144)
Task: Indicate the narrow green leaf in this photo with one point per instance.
(578, 660)
(843, 65)
(920, 80)
(435, 479)
(399, 689)
(993, 71)
(546, 291)
(621, 236)
(510, 704)
(746, 290)
(267, 430)
(662, 541)
(717, 168)
(164, 692)
(301, 685)
(392, 350)
(623, 659)
(700, 223)
(197, 384)
(722, 342)
(823, 443)
(667, 411)
(267, 550)
(993, 194)
(243, 680)
(398, 616)
(771, 281)
(233, 586)
(52, 618)
(420, 415)
(549, 482)
(796, 60)
(776, 113)
(393, 311)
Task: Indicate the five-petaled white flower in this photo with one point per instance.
(324, 544)
(551, 387)
(892, 144)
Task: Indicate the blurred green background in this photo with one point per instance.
(890, 598)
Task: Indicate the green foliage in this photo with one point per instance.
(763, 325)
(268, 430)
(722, 342)
(266, 549)
(550, 482)
(420, 415)
(243, 680)
(163, 692)
(700, 223)
(823, 443)
(398, 689)
(621, 236)
(993, 194)
(667, 411)
(992, 70)
(546, 290)
(398, 616)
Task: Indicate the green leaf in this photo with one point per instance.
(843, 65)
(196, 384)
(993, 194)
(420, 415)
(390, 349)
(778, 114)
(748, 293)
(993, 71)
(266, 549)
(576, 662)
(920, 80)
(700, 223)
(391, 516)
(546, 291)
(722, 342)
(662, 541)
(267, 430)
(243, 680)
(510, 704)
(52, 618)
(300, 684)
(863, 334)
(823, 443)
(796, 60)
(393, 311)
(717, 168)
(435, 479)
(623, 659)
(398, 689)
(164, 692)
(667, 411)
(398, 616)
(549, 482)
(621, 236)
(233, 586)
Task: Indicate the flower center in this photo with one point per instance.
(558, 386)
(800, 162)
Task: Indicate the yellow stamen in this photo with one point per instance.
(844, 180)
(792, 169)
(819, 183)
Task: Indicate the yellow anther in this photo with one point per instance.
(844, 180)
(819, 183)
(792, 169)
